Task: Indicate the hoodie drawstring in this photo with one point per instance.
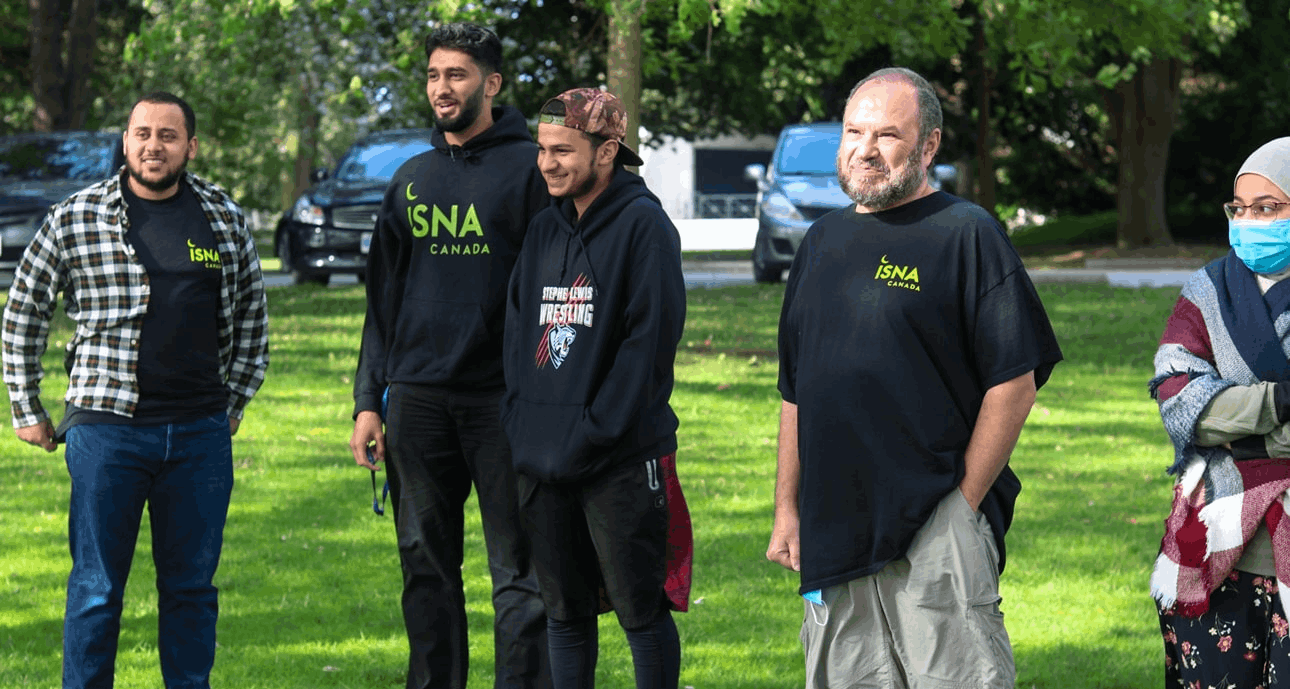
(590, 268)
(564, 261)
(455, 153)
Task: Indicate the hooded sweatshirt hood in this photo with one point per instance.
(509, 126)
(447, 235)
(621, 191)
(595, 310)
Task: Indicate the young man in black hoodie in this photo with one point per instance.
(595, 309)
(447, 235)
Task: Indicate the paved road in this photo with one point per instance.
(701, 274)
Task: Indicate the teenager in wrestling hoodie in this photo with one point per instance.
(595, 309)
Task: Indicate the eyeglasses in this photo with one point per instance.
(1261, 210)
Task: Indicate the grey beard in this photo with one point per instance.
(888, 193)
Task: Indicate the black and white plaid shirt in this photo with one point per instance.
(81, 251)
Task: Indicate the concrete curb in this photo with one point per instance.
(1144, 263)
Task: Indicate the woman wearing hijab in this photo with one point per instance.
(1220, 379)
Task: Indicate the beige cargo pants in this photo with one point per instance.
(930, 620)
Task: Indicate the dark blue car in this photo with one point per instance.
(38, 170)
(329, 228)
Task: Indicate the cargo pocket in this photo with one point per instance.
(997, 669)
(950, 561)
(955, 637)
(996, 662)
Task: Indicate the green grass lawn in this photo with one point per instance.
(310, 577)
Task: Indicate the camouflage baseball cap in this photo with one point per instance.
(595, 112)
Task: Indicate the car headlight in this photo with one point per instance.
(778, 207)
(307, 212)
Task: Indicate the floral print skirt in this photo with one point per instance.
(1240, 643)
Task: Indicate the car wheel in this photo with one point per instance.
(298, 277)
(763, 272)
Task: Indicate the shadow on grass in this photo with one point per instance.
(1115, 664)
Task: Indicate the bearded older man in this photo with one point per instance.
(911, 345)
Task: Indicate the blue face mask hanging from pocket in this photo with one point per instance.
(816, 599)
(1263, 246)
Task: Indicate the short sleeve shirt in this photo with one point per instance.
(894, 326)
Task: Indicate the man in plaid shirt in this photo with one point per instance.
(159, 273)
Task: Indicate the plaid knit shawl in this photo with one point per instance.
(1222, 332)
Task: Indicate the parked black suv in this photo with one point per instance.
(329, 229)
(800, 187)
(37, 171)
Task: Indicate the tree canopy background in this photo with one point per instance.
(1057, 107)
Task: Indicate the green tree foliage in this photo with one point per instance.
(115, 20)
(281, 87)
(16, 102)
(1134, 54)
(1057, 150)
(278, 85)
(1075, 100)
(1232, 102)
(1038, 87)
(637, 38)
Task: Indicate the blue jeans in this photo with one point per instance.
(185, 473)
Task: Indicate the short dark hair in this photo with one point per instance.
(929, 106)
(190, 118)
(556, 107)
(480, 43)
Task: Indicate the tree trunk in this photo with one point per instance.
(63, 36)
(307, 145)
(82, 37)
(624, 60)
(1143, 113)
(984, 179)
(47, 62)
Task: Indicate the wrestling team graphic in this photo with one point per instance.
(561, 309)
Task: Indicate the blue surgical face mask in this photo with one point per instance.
(1263, 246)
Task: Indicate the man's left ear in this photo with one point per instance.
(607, 153)
(932, 145)
(192, 148)
(493, 84)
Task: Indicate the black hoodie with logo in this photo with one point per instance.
(594, 312)
(447, 235)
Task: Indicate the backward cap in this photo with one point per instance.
(595, 112)
(1271, 160)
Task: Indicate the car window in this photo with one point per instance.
(809, 152)
(378, 162)
(85, 158)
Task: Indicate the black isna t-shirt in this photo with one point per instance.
(894, 326)
(179, 367)
(179, 372)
